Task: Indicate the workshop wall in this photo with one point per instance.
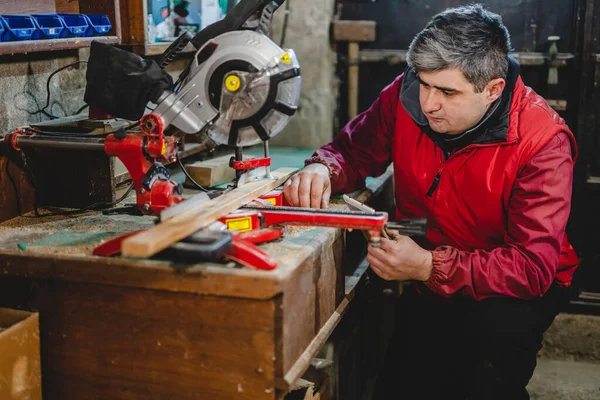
(308, 34)
(23, 81)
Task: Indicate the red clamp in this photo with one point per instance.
(250, 164)
(243, 247)
(140, 152)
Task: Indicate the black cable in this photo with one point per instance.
(91, 207)
(285, 23)
(196, 184)
(82, 108)
(14, 185)
(43, 109)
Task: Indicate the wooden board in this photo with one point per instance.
(105, 342)
(354, 31)
(155, 239)
(213, 172)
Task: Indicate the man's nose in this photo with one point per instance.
(431, 101)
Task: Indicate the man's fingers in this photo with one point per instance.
(326, 195)
(290, 191)
(316, 191)
(388, 244)
(377, 254)
(304, 191)
(376, 266)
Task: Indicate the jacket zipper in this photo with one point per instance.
(436, 182)
(438, 176)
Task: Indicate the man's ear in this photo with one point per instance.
(494, 89)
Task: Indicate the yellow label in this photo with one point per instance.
(271, 200)
(164, 149)
(286, 58)
(240, 224)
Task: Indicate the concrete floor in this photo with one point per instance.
(559, 379)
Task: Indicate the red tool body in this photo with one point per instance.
(141, 153)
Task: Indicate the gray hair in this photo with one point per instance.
(469, 38)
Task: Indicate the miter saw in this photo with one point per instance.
(239, 90)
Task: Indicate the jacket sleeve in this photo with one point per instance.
(526, 265)
(364, 146)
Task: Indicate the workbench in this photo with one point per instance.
(119, 328)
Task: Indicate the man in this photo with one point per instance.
(490, 165)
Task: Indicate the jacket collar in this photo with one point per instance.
(492, 128)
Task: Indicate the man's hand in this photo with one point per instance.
(311, 187)
(401, 259)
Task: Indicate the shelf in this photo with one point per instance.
(393, 56)
(32, 46)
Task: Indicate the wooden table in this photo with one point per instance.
(116, 328)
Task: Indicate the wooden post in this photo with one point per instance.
(353, 54)
(353, 32)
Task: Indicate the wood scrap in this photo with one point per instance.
(161, 236)
(212, 172)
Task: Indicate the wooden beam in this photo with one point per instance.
(354, 31)
(161, 236)
(353, 53)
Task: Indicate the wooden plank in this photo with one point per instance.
(110, 8)
(303, 362)
(67, 6)
(312, 291)
(204, 278)
(212, 172)
(31, 46)
(20, 374)
(353, 53)
(391, 57)
(134, 22)
(103, 342)
(354, 31)
(557, 104)
(155, 239)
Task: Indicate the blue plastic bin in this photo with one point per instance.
(98, 25)
(75, 25)
(17, 27)
(49, 26)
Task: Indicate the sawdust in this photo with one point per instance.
(62, 251)
(30, 220)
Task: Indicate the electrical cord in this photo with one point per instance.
(82, 108)
(43, 109)
(186, 173)
(92, 207)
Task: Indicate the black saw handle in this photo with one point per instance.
(233, 20)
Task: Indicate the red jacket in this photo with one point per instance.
(496, 211)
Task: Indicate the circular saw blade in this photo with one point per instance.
(268, 93)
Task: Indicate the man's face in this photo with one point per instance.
(451, 103)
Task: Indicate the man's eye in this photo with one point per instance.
(447, 94)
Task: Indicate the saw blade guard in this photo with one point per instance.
(242, 90)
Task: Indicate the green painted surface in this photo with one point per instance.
(68, 238)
